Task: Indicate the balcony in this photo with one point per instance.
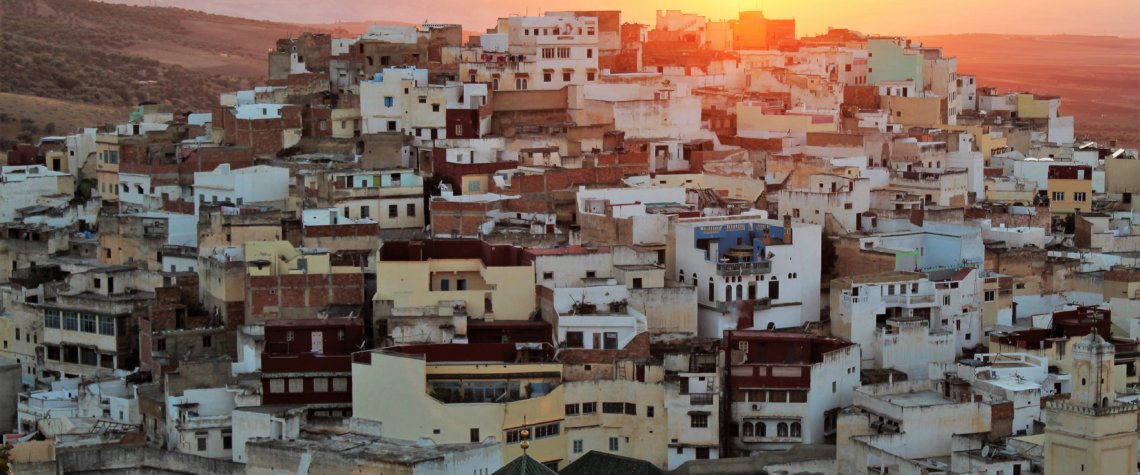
(701, 399)
(191, 422)
(743, 268)
(909, 300)
(757, 304)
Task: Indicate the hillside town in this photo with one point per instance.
(571, 244)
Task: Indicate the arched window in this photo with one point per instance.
(740, 291)
(761, 429)
(747, 429)
(694, 278)
(681, 276)
(782, 429)
(795, 429)
(728, 293)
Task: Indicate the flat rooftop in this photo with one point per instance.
(916, 399)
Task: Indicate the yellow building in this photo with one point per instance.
(1070, 188)
(1030, 106)
(464, 393)
(756, 119)
(1091, 432)
(492, 282)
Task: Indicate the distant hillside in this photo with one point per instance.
(115, 55)
(1097, 77)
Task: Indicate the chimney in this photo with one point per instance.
(744, 311)
(917, 216)
(787, 229)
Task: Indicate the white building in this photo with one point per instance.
(199, 422)
(891, 317)
(787, 388)
(260, 185)
(750, 272)
(840, 198)
(533, 53)
(401, 100)
(24, 186)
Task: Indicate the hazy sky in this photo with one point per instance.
(910, 17)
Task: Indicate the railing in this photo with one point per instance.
(743, 268)
(701, 399)
(908, 299)
(757, 304)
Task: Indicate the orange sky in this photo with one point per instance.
(909, 17)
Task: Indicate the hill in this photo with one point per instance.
(1097, 77)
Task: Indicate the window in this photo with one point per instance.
(610, 341)
(612, 407)
(637, 282)
(473, 185)
(411, 210)
(631, 409)
(546, 430)
(460, 284)
(589, 53)
(547, 76)
(365, 212)
(227, 440)
(613, 444)
(296, 385)
(445, 285)
(202, 437)
(648, 411)
(393, 211)
(422, 99)
(591, 74)
(207, 341)
(589, 408)
(474, 434)
(51, 318)
(591, 274)
(990, 296)
(564, 52)
(699, 420)
(52, 353)
(1058, 196)
(574, 340)
(107, 325)
(87, 323)
(340, 385)
(567, 76)
(547, 53)
(277, 386)
(98, 283)
(578, 446)
(702, 453)
(782, 429)
(435, 107)
(515, 436)
(547, 275)
(572, 409)
(320, 385)
(1079, 196)
(795, 429)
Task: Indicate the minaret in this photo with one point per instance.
(1091, 433)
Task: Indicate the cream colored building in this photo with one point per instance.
(462, 393)
(1091, 432)
(473, 278)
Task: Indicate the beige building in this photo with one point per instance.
(462, 393)
(1091, 432)
(471, 278)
